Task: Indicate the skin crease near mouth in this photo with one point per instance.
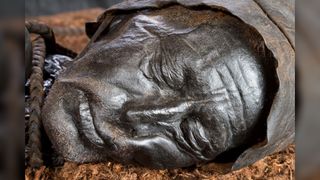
(164, 88)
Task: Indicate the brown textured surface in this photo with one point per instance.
(277, 166)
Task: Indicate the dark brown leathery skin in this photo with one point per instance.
(161, 88)
(266, 18)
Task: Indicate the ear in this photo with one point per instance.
(91, 28)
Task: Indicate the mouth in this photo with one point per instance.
(86, 121)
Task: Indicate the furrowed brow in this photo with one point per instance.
(170, 61)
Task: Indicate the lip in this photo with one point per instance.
(86, 121)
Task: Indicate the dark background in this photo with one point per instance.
(47, 7)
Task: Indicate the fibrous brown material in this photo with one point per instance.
(280, 166)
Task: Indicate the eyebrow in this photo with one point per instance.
(169, 62)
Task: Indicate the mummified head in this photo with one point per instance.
(162, 88)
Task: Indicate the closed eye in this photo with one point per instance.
(165, 65)
(194, 137)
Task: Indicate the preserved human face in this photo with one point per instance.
(167, 88)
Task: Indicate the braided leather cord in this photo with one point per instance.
(43, 30)
(47, 33)
(36, 95)
(41, 45)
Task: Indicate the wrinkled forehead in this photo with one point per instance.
(173, 20)
(162, 22)
(201, 30)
